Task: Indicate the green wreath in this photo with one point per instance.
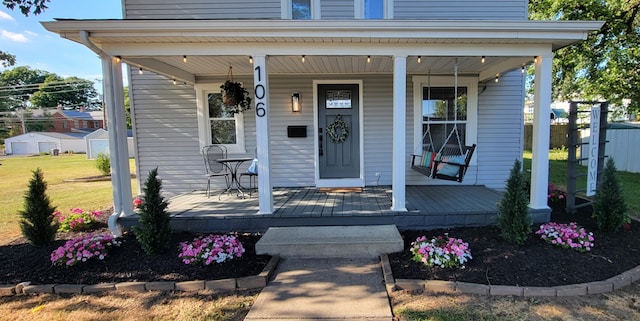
(338, 131)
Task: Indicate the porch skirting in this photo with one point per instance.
(429, 207)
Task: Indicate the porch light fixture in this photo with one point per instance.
(251, 59)
(483, 59)
(497, 77)
(295, 102)
(140, 72)
(368, 59)
(184, 59)
(303, 58)
(419, 59)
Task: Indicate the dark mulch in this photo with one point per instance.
(536, 263)
(494, 261)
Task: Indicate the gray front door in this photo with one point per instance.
(338, 131)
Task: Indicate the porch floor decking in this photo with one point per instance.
(428, 207)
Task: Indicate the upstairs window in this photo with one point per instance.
(300, 9)
(374, 9)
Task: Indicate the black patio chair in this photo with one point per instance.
(214, 168)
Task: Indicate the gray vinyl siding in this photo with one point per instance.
(500, 128)
(460, 10)
(202, 9)
(337, 10)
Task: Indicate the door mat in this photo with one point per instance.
(340, 189)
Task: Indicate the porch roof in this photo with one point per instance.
(337, 46)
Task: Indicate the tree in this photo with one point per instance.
(27, 6)
(7, 59)
(154, 231)
(58, 91)
(609, 207)
(127, 106)
(514, 220)
(18, 84)
(37, 221)
(606, 65)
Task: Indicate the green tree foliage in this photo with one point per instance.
(514, 220)
(37, 221)
(58, 91)
(127, 106)
(27, 6)
(18, 84)
(7, 59)
(609, 207)
(606, 65)
(103, 163)
(154, 230)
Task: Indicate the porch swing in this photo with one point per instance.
(451, 161)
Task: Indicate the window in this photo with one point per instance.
(434, 110)
(300, 9)
(96, 124)
(374, 9)
(84, 124)
(215, 125)
(76, 124)
(64, 124)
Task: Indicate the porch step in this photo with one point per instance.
(331, 241)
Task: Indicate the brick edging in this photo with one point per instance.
(417, 286)
(223, 285)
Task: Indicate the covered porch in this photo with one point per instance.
(428, 207)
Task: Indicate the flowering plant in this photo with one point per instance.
(83, 248)
(555, 194)
(210, 248)
(569, 236)
(442, 251)
(137, 202)
(77, 220)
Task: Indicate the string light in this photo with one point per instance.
(118, 59)
(419, 59)
(174, 81)
(483, 59)
(368, 59)
(497, 77)
(250, 59)
(303, 58)
(522, 70)
(535, 59)
(184, 59)
(140, 72)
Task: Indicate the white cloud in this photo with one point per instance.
(17, 37)
(30, 33)
(6, 16)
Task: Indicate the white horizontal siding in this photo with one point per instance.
(460, 9)
(202, 9)
(337, 10)
(500, 129)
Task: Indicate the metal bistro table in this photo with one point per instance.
(232, 164)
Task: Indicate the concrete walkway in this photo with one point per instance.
(324, 289)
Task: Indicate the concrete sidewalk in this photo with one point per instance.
(324, 289)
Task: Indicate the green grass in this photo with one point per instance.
(15, 173)
(558, 176)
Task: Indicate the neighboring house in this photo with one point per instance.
(43, 142)
(375, 63)
(98, 142)
(67, 121)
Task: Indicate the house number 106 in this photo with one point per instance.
(260, 92)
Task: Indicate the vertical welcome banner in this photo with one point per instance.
(594, 143)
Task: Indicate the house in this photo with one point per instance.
(44, 142)
(98, 142)
(372, 63)
(66, 121)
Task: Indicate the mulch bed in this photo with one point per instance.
(494, 261)
(536, 263)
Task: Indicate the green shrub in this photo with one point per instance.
(154, 230)
(37, 220)
(514, 220)
(609, 207)
(103, 163)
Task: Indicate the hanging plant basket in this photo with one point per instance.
(234, 97)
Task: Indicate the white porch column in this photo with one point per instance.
(120, 172)
(398, 179)
(261, 104)
(541, 132)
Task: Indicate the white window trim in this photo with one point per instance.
(204, 129)
(471, 135)
(287, 14)
(359, 9)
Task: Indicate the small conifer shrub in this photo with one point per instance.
(154, 230)
(37, 221)
(514, 220)
(609, 207)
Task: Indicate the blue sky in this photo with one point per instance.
(34, 46)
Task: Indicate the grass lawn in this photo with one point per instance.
(558, 176)
(17, 171)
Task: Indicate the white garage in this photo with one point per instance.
(98, 142)
(43, 142)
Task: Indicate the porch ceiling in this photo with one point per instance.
(330, 47)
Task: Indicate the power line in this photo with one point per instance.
(11, 87)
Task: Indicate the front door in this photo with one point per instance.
(338, 131)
